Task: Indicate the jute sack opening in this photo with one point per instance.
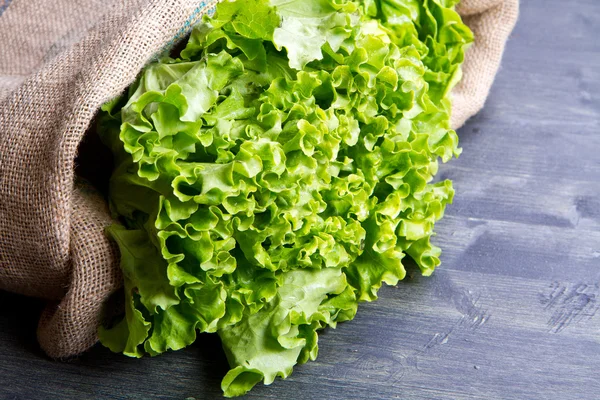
(58, 65)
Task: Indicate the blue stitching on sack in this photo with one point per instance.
(4, 5)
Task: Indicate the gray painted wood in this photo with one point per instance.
(512, 313)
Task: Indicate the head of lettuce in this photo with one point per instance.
(277, 172)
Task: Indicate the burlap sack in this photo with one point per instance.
(57, 66)
(491, 21)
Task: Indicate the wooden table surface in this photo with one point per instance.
(511, 314)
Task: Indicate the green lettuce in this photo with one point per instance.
(277, 172)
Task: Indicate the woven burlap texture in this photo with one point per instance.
(57, 66)
(491, 21)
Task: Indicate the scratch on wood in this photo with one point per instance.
(465, 302)
(438, 339)
(570, 303)
(375, 365)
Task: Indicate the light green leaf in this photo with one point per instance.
(278, 172)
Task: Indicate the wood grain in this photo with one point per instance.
(512, 314)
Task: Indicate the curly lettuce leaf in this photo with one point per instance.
(268, 343)
(131, 332)
(278, 171)
(306, 26)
